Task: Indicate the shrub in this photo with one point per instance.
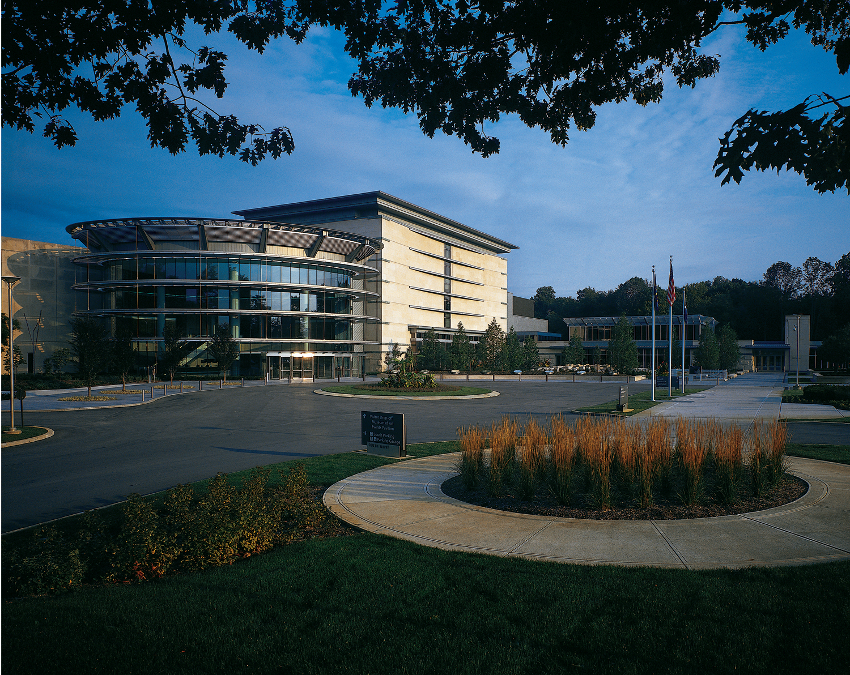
(188, 532)
(824, 393)
(47, 564)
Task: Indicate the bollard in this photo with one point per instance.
(164, 389)
(547, 377)
(574, 376)
(243, 381)
(494, 377)
(151, 392)
(143, 395)
(200, 385)
(220, 385)
(181, 386)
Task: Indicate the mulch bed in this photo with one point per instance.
(625, 506)
(407, 390)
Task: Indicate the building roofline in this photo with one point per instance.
(386, 204)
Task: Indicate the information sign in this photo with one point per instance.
(384, 433)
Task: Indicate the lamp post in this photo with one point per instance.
(11, 280)
(797, 331)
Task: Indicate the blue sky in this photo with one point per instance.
(634, 190)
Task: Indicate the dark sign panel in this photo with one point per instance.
(384, 433)
(663, 380)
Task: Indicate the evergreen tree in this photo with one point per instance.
(622, 350)
(530, 354)
(462, 351)
(431, 355)
(492, 344)
(730, 353)
(574, 350)
(708, 353)
(511, 357)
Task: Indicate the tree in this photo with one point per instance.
(491, 345)
(597, 357)
(511, 357)
(100, 56)
(174, 349)
(530, 354)
(729, 352)
(6, 339)
(836, 349)
(574, 350)
(456, 65)
(90, 347)
(543, 298)
(432, 354)
(123, 355)
(708, 352)
(622, 350)
(462, 351)
(223, 349)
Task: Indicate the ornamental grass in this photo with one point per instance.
(532, 459)
(562, 457)
(600, 464)
(472, 442)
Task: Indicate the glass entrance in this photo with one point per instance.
(302, 367)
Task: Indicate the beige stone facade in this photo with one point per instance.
(43, 300)
(433, 271)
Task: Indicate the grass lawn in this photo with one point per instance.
(354, 389)
(371, 604)
(640, 401)
(829, 453)
(26, 432)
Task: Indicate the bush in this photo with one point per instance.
(826, 393)
(188, 532)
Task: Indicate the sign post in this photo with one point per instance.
(384, 433)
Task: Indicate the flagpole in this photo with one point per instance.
(684, 321)
(654, 301)
(670, 334)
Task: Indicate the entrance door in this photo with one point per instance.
(302, 367)
(274, 368)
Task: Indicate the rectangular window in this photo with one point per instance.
(447, 303)
(447, 285)
(294, 302)
(447, 320)
(191, 268)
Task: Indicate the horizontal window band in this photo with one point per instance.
(446, 276)
(148, 312)
(451, 295)
(440, 257)
(124, 284)
(443, 311)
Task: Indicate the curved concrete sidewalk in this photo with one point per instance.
(404, 500)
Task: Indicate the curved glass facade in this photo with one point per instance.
(302, 295)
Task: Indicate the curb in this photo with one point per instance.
(408, 398)
(47, 434)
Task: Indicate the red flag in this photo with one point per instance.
(671, 287)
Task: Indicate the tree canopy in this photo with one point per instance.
(457, 65)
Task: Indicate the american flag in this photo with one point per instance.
(671, 287)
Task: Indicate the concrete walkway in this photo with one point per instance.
(404, 500)
(743, 399)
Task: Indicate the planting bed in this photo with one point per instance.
(624, 506)
(611, 470)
